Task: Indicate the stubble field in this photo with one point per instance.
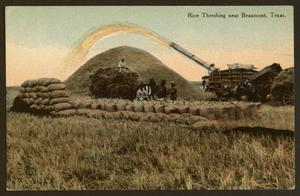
(79, 153)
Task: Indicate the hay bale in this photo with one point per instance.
(135, 116)
(96, 114)
(138, 107)
(182, 120)
(68, 112)
(127, 114)
(46, 81)
(33, 106)
(194, 111)
(159, 108)
(173, 117)
(54, 87)
(182, 109)
(170, 109)
(41, 82)
(239, 114)
(58, 93)
(231, 113)
(42, 89)
(120, 115)
(225, 113)
(83, 111)
(163, 117)
(115, 115)
(38, 100)
(129, 108)
(45, 101)
(110, 107)
(58, 100)
(33, 95)
(218, 113)
(96, 106)
(22, 89)
(207, 112)
(205, 125)
(35, 89)
(26, 100)
(154, 118)
(146, 117)
(251, 108)
(121, 106)
(194, 119)
(62, 106)
(148, 108)
(21, 95)
(30, 101)
(28, 89)
(27, 83)
(48, 108)
(43, 94)
(26, 95)
(80, 105)
(108, 115)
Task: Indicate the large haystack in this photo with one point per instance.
(137, 60)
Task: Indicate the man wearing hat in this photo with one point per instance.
(173, 91)
(122, 65)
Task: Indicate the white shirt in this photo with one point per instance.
(147, 90)
(139, 94)
(122, 64)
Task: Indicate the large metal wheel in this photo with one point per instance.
(288, 98)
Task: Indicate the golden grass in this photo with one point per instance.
(267, 116)
(277, 117)
(78, 153)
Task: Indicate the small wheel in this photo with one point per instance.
(288, 98)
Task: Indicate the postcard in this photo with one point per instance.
(150, 97)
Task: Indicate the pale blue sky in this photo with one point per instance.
(60, 27)
(64, 25)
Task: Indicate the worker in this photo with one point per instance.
(153, 86)
(162, 92)
(140, 94)
(173, 92)
(204, 84)
(122, 65)
(211, 68)
(147, 91)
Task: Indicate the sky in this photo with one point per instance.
(39, 38)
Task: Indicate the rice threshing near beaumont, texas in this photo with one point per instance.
(124, 118)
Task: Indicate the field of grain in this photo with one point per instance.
(78, 153)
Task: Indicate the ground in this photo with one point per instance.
(79, 153)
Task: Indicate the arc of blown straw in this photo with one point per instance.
(81, 48)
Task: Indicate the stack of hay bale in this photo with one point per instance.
(209, 110)
(44, 96)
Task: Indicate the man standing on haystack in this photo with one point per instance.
(122, 65)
